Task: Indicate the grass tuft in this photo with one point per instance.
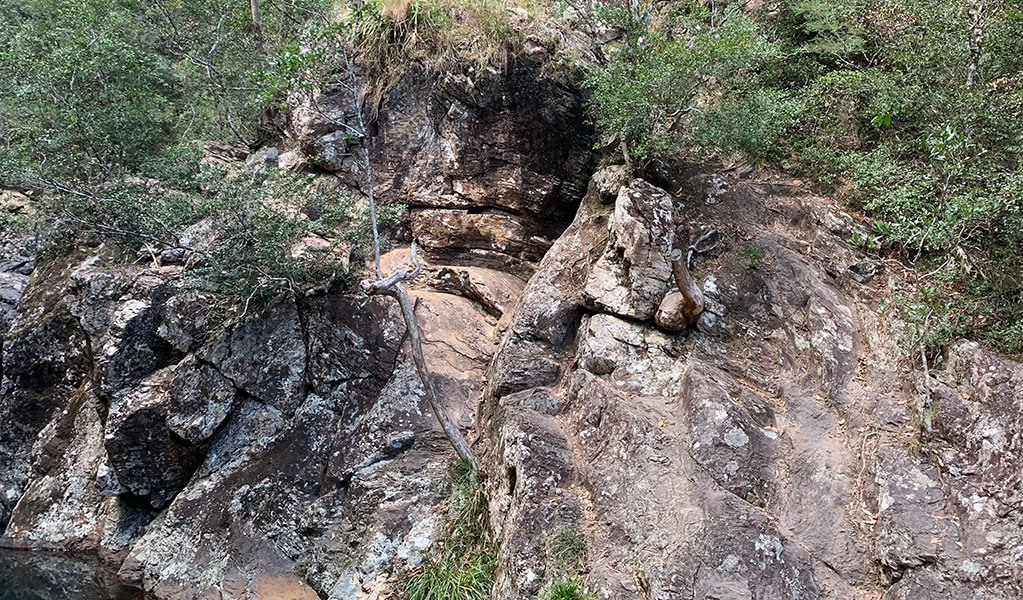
(464, 567)
(567, 550)
(566, 589)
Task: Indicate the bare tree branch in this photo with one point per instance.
(392, 286)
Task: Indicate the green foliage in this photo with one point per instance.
(566, 589)
(107, 104)
(14, 223)
(882, 102)
(261, 236)
(464, 567)
(77, 95)
(647, 94)
(95, 90)
(566, 551)
(751, 255)
(748, 124)
(827, 30)
(467, 577)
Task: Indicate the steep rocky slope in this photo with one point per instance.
(772, 452)
(778, 449)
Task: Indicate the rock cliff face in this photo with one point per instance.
(772, 452)
(777, 449)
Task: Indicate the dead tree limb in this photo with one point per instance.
(691, 300)
(975, 43)
(391, 286)
(257, 24)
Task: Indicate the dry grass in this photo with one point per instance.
(435, 33)
(442, 36)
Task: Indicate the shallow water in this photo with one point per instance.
(50, 576)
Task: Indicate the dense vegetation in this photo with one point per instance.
(104, 111)
(909, 111)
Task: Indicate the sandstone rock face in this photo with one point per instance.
(223, 463)
(492, 167)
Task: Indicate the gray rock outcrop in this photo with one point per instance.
(766, 453)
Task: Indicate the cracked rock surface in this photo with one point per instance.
(773, 451)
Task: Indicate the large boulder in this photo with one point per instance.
(633, 275)
(495, 163)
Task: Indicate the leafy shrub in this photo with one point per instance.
(749, 124)
(94, 90)
(78, 96)
(752, 256)
(888, 103)
(246, 235)
(647, 94)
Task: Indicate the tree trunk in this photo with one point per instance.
(691, 303)
(976, 35)
(257, 26)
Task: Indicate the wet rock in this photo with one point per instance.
(55, 575)
(45, 361)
